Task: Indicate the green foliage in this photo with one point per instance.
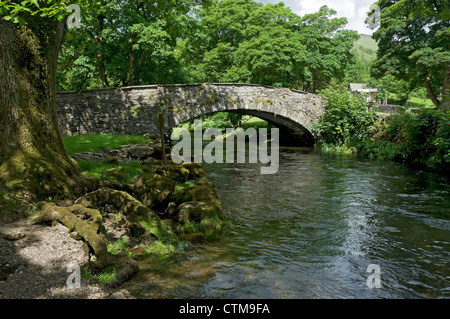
(8, 203)
(422, 138)
(123, 43)
(383, 150)
(219, 120)
(247, 42)
(254, 122)
(18, 12)
(414, 45)
(347, 118)
(358, 71)
(392, 89)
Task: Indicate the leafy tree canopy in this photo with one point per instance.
(414, 45)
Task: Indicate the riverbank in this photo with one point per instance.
(419, 140)
(137, 207)
(34, 261)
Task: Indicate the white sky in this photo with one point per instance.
(354, 10)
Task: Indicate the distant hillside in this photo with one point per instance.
(366, 49)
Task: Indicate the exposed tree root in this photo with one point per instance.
(89, 233)
(133, 209)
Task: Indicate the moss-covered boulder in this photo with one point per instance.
(204, 192)
(154, 191)
(197, 209)
(196, 170)
(141, 151)
(115, 173)
(200, 217)
(171, 170)
(158, 151)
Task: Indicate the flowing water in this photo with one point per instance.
(311, 231)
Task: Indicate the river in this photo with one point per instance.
(312, 230)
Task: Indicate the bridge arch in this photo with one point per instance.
(132, 110)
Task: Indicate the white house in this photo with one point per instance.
(361, 88)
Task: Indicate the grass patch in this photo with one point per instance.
(102, 278)
(107, 277)
(162, 231)
(415, 102)
(122, 172)
(160, 249)
(255, 122)
(120, 245)
(98, 142)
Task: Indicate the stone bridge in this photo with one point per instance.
(132, 110)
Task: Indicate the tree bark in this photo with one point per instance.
(430, 92)
(131, 66)
(141, 61)
(32, 154)
(101, 68)
(98, 40)
(445, 103)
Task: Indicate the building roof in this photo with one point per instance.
(360, 88)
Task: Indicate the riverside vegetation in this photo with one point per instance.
(420, 138)
(135, 206)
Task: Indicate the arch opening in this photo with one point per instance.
(291, 133)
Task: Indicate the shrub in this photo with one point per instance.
(347, 118)
(422, 138)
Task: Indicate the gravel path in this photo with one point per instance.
(34, 262)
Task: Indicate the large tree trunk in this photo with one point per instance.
(32, 155)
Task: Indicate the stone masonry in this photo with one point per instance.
(133, 110)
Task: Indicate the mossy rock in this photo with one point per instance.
(196, 211)
(141, 151)
(115, 173)
(205, 193)
(196, 170)
(171, 170)
(170, 210)
(154, 191)
(159, 151)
